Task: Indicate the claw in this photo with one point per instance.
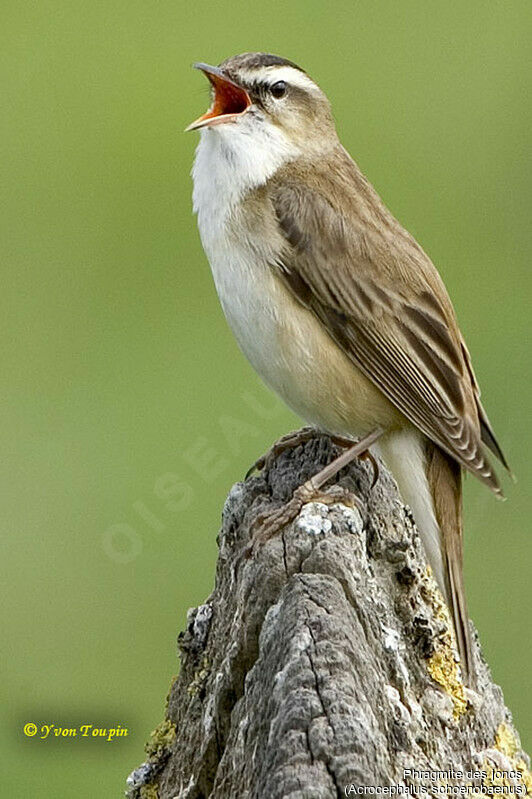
(270, 522)
(257, 466)
(367, 455)
(289, 441)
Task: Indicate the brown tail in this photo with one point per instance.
(445, 480)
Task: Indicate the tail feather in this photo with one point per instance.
(488, 438)
(445, 481)
(486, 432)
(460, 618)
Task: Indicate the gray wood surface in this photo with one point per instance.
(324, 665)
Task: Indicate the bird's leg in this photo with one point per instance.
(290, 441)
(269, 523)
(345, 443)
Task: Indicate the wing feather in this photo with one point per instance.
(382, 301)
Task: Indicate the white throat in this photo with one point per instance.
(231, 159)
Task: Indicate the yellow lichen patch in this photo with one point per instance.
(172, 683)
(442, 665)
(442, 669)
(150, 791)
(506, 742)
(199, 677)
(161, 740)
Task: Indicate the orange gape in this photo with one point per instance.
(230, 100)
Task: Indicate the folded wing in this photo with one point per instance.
(382, 301)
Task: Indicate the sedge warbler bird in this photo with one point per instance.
(336, 306)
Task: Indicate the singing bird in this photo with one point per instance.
(334, 303)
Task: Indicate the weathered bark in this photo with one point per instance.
(324, 663)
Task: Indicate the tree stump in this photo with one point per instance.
(325, 665)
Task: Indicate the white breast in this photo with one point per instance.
(231, 160)
(283, 341)
(247, 290)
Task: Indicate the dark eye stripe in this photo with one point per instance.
(260, 87)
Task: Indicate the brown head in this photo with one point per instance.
(260, 92)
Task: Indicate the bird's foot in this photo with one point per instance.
(288, 441)
(293, 440)
(269, 523)
(369, 456)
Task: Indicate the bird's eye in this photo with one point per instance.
(278, 89)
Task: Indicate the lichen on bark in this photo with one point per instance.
(325, 660)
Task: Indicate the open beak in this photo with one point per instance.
(230, 100)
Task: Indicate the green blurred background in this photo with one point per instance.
(118, 370)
